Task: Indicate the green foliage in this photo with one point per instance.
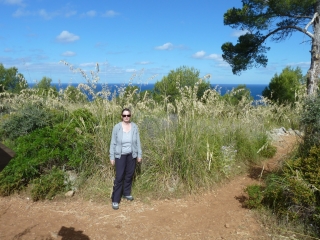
(82, 119)
(308, 168)
(247, 53)
(25, 121)
(290, 196)
(11, 80)
(191, 145)
(255, 196)
(61, 145)
(310, 122)
(240, 93)
(283, 88)
(247, 148)
(130, 92)
(48, 185)
(268, 151)
(168, 88)
(74, 95)
(44, 87)
(275, 20)
(294, 193)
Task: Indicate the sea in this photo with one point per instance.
(255, 89)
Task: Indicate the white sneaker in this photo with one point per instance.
(130, 198)
(115, 205)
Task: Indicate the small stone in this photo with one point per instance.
(227, 225)
(54, 235)
(69, 194)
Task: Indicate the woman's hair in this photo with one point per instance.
(125, 109)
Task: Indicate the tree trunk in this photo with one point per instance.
(314, 70)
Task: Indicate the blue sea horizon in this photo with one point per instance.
(255, 89)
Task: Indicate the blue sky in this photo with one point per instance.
(141, 40)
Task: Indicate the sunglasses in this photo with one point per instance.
(126, 115)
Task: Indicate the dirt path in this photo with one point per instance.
(214, 215)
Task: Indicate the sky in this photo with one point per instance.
(132, 41)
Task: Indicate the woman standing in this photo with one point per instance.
(125, 150)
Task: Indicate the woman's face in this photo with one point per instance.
(126, 115)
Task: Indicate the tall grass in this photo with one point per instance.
(187, 146)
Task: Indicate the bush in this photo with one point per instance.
(37, 152)
(294, 192)
(25, 121)
(283, 88)
(255, 196)
(83, 119)
(48, 185)
(240, 93)
(310, 122)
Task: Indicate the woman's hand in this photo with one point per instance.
(112, 162)
(139, 160)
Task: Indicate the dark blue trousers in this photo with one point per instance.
(125, 166)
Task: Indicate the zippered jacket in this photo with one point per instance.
(116, 141)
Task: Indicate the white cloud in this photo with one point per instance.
(8, 50)
(91, 13)
(238, 33)
(166, 46)
(203, 55)
(199, 54)
(110, 13)
(131, 70)
(143, 63)
(89, 64)
(68, 54)
(216, 57)
(299, 64)
(65, 36)
(70, 13)
(43, 13)
(13, 2)
(21, 13)
(101, 45)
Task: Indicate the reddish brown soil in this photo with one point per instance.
(215, 215)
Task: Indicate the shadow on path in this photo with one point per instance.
(70, 234)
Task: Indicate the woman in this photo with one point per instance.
(125, 150)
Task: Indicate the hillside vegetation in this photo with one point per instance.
(189, 143)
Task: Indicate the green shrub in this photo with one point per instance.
(294, 192)
(290, 197)
(255, 196)
(308, 167)
(48, 185)
(25, 121)
(283, 88)
(310, 121)
(37, 152)
(83, 119)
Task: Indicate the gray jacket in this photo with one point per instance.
(116, 141)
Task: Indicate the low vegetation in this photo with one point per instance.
(293, 192)
(190, 142)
